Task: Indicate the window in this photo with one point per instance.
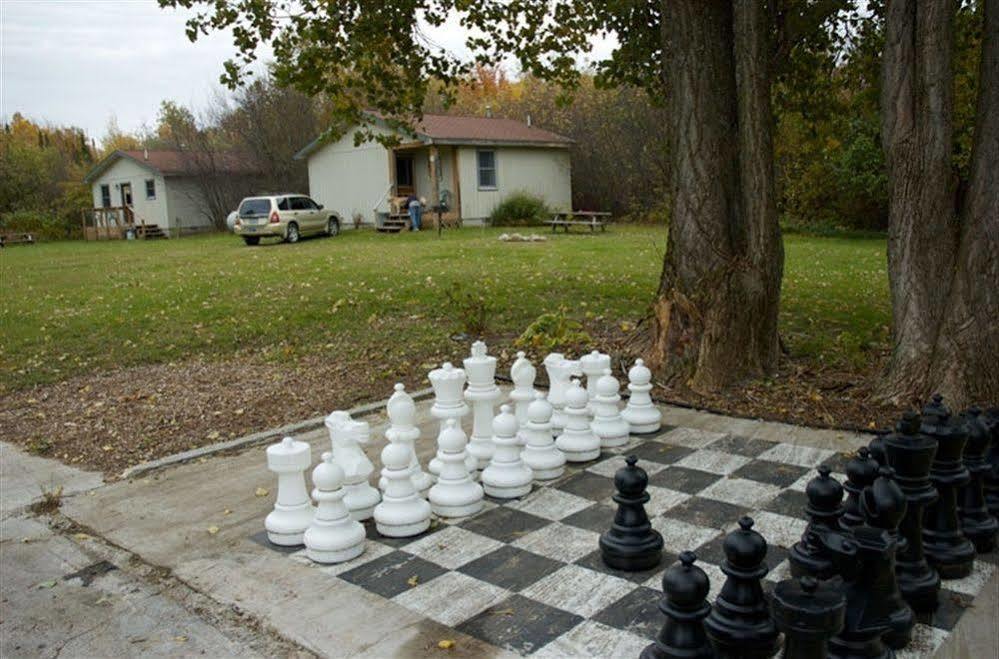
(150, 188)
(106, 196)
(300, 204)
(284, 205)
(255, 208)
(486, 161)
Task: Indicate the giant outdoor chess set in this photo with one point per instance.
(513, 539)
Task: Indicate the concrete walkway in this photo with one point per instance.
(25, 478)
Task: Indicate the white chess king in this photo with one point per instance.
(482, 393)
(402, 429)
(454, 494)
(593, 366)
(540, 452)
(506, 476)
(641, 413)
(333, 536)
(402, 512)
(293, 509)
(577, 440)
(347, 436)
(607, 422)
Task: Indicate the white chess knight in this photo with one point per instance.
(347, 436)
(448, 383)
(593, 366)
(402, 512)
(402, 430)
(454, 494)
(641, 413)
(482, 393)
(293, 510)
(540, 453)
(506, 476)
(522, 373)
(577, 441)
(333, 536)
(607, 422)
(560, 370)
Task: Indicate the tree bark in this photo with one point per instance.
(715, 315)
(942, 267)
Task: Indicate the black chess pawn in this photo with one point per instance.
(910, 453)
(946, 547)
(682, 636)
(825, 505)
(740, 624)
(977, 523)
(631, 544)
(991, 480)
(861, 470)
(808, 614)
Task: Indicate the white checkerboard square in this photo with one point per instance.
(691, 437)
(740, 492)
(714, 462)
(803, 456)
(777, 529)
(680, 536)
(802, 483)
(560, 542)
(579, 590)
(452, 547)
(925, 641)
(592, 639)
(610, 466)
(372, 550)
(974, 582)
(451, 598)
(452, 521)
(550, 503)
(661, 499)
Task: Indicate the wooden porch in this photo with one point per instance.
(443, 207)
(114, 223)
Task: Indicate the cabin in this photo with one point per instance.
(158, 193)
(465, 165)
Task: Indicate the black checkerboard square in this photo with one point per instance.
(597, 518)
(707, 512)
(504, 523)
(745, 446)
(683, 479)
(589, 485)
(637, 612)
(520, 624)
(789, 502)
(773, 473)
(511, 568)
(393, 573)
(659, 452)
(594, 561)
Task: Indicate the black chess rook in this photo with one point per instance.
(808, 613)
(977, 524)
(824, 508)
(684, 603)
(631, 544)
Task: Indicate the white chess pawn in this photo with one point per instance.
(402, 512)
(593, 366)
(347, 436)
(506, 476)
(454, 494)
(402, 429)
(560, 371)
(540, 453)
(577, 440)
(448, 382)
(482, 393)
(522, 373)
(293, 509)
(607, 423)
(333, 536)
(641, 413)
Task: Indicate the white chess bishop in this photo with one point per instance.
(506, 476)
(293, 510)
(482, 393)
(402, 430)
(347, 436)
(577, 441)
(593, 366)
(540, 453)
(607, 422)
(454, 494)
(333, 536)
(522, 373)
(641, 413)
(448, 382)
(402, 512)
(560, 371)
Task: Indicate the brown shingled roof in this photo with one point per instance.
(485, 129)
(177, 163)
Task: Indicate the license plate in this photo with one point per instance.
(247, 229)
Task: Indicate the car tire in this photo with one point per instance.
(251, 240)
(333, 227)
(292, 235)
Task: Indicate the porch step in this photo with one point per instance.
(393, 225)
(149, 231)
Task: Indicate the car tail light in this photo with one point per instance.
(275, 218)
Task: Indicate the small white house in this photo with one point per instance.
(156, 191)
(469, 163)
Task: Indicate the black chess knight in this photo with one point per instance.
(977, 524)
(861, 470)
(739, 625)
(685, 588)
(631, 544)
(808, 613)
(911, 453)
(825, 505)
(946, 547)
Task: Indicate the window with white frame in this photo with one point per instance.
(150, 188)
(106, 196)
(486, 162)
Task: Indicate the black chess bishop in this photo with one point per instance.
(977, 524)
(809, 613)
(684, 603)
(861, 470)
(824, 508)
(740, 625)
(631, 544)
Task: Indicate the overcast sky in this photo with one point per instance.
(79, 62)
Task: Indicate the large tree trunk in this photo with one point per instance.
(942, 267)
(715, 316)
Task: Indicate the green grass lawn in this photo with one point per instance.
(74, 307)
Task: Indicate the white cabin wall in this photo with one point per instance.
(543, 172)
(349, 179)
(125, 170)
(186, 206)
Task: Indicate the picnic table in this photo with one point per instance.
(16, 237)
(592, 219)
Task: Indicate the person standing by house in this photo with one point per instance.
(415, 208)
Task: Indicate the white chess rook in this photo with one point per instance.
(506, 476)
(540, 453)
(560, 371)
(448, 382)
(577, 440)
(641, 413)
(522, 373)
(333, 536)
(402, 430)
(454, 494)
(607, 422)
(402, 512)
(593, 366)
(347, 436)
(482, 393)
(293, 510)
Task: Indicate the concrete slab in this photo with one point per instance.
(25, 478)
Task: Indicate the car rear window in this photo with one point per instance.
(255, 207)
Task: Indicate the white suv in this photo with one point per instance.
(287, 216)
